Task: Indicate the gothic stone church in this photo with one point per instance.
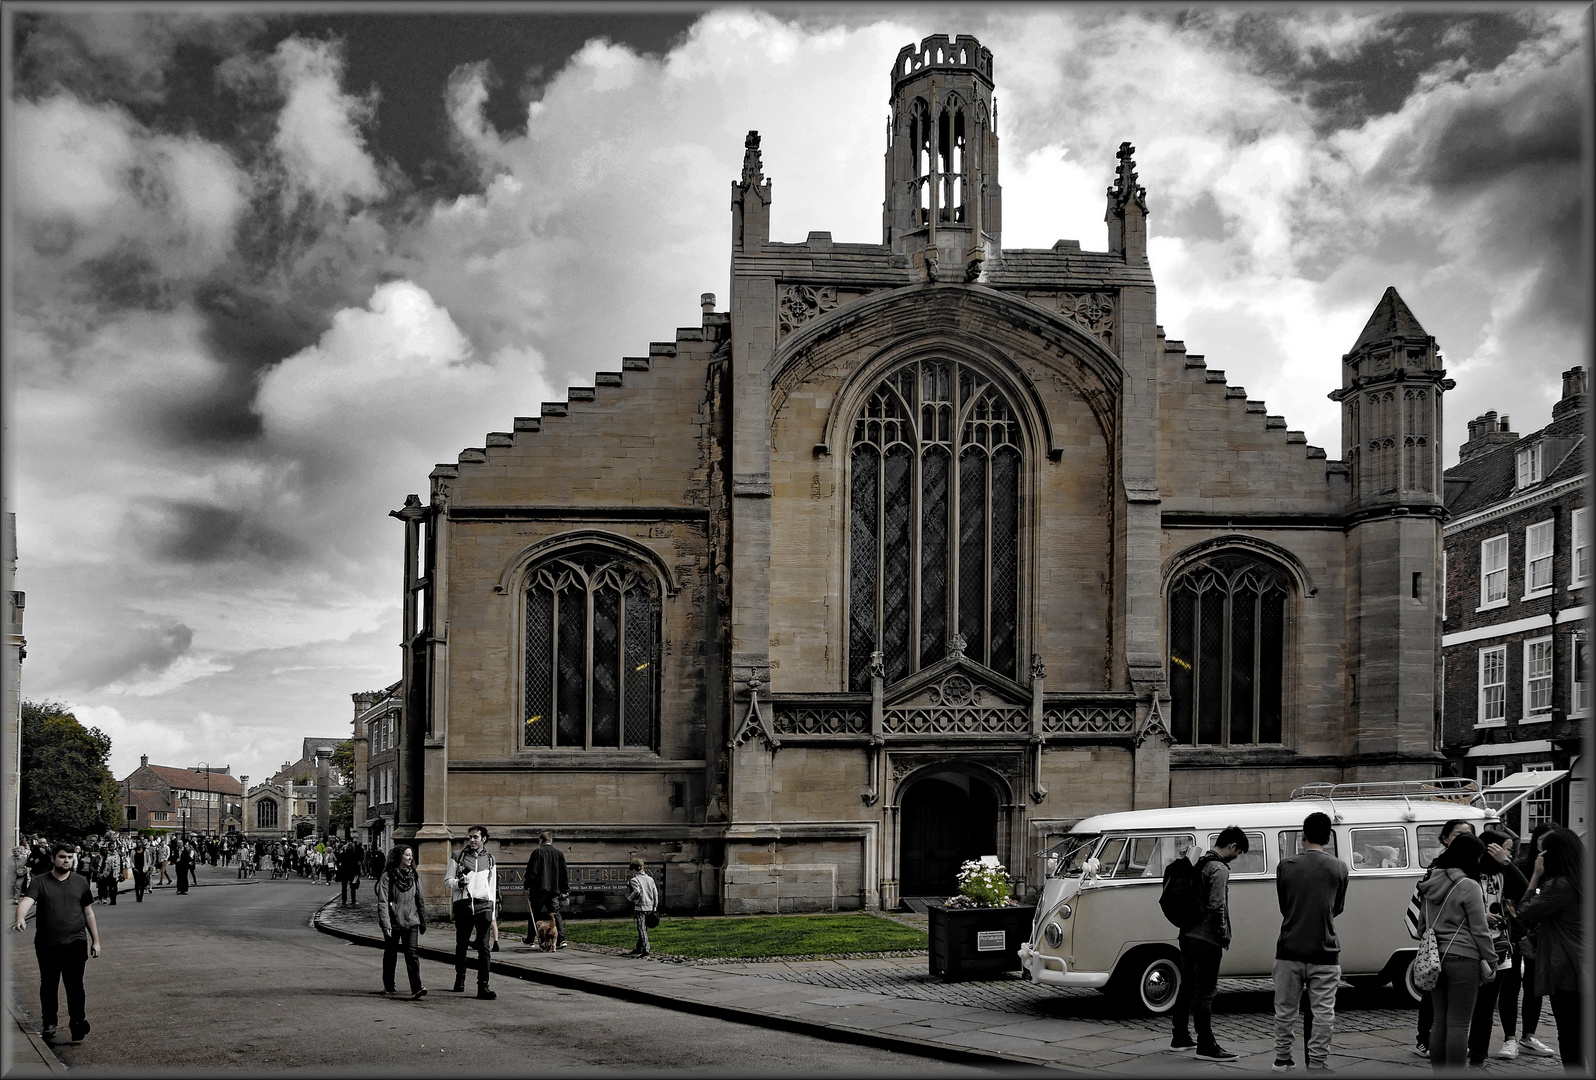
(922, 550)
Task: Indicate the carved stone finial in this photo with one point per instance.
(1125, 189)
(956, 646)
(1038, 670)
(413, 500)
(878, 665)
(753, 164)
(754, 684)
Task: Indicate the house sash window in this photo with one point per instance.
(1538, 677)
(1538, 558)
(1493, 685)
(1493, 570)
(1529, 466)
(1579, 521)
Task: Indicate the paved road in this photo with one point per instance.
(234, 977)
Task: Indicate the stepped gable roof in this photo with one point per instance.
(1493, 476)
(1391, 319)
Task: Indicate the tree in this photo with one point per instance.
(342, 812)
(343, 760)
(65, 772)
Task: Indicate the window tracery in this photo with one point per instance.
(1227, 624)
(591, 641)
(935, 473)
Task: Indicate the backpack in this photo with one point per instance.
(1182, 897)
(1427, 964)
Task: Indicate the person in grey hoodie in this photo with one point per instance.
(403, 917)
(1454, 907)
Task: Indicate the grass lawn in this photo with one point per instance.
(752, 936)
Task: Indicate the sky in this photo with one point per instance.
(266, 267)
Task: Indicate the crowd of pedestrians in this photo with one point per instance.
(1499, 926)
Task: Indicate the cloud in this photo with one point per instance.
(318, 130)
(132, 651)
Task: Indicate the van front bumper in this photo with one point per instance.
(1053, 971)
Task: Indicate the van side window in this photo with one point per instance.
(1380, 849)
(1429, 844)
(1146, 856)
(1291, 843)
(1252, 861)
(1108, 858)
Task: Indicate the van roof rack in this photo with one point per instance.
(1446, 788)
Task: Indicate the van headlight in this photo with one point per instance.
(1064, 911)
(1054, 934)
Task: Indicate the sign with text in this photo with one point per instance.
(585, 877)
(990, 941)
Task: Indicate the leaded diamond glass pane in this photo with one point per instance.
(571, 698)
(972, 551)
(638, 670)
(1005, 560)
(1182, 659)
(895, 561)
(606, 666)
(538, 719)
(1210, 665)
(1243, 639)
(863, 516)
(1271, 668)
(933, 556)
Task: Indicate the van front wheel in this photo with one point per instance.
(1147, 981)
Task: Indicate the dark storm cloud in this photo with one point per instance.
(1373, 76)
(200, 533)
(120, 654)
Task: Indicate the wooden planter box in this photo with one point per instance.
(978, 943)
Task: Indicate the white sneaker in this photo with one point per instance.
(1509, 1049)
(1529, 1044)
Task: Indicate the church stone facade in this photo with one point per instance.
(917, 551)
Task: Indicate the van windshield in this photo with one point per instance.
(1065, 858)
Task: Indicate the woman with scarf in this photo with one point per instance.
(403, 918)
(1503, 886)
(1552, 912)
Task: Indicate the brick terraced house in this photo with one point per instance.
(919, 550)
(1517, 607)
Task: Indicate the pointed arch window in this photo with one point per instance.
(1227, 628)
(934, 511)
(266, 814)
(920, 147)
(592, 645)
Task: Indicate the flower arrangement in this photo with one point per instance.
(982, 885)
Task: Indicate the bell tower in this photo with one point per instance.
(943, 207)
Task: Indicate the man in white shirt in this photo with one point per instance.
(473, 888)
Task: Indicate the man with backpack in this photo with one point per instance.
(1312, 889)
(1197, 900)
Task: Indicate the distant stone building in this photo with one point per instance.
(376, 736)
(207, 802)
(1517, 606)
(296, 799)
(920, 550)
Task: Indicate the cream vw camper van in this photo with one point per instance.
(1098, 922)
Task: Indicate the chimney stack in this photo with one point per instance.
(144, 761)
(1573, 399)
(1486, 433)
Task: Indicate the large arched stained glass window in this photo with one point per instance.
(592, 629)
(934, 513)
(1227, 628)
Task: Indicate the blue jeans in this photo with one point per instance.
(1291, 976)
(1453, 999)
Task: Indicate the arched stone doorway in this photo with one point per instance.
(948, 817)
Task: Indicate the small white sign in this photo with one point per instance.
(990, 941)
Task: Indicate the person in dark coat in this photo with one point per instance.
(1503, 885)
(185, 868)
(547, 883)
(348, 875)
(1552, 911)
(402, 915)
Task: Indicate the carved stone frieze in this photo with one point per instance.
(955, 721)
(798, 304)
(818, 720)
(1077, 720)
(1093, 312)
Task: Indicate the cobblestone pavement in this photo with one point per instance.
(895, 999)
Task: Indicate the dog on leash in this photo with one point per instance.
(546, 937)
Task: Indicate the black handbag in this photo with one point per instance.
(650, 919)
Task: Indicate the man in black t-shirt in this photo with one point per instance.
(64, 938)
